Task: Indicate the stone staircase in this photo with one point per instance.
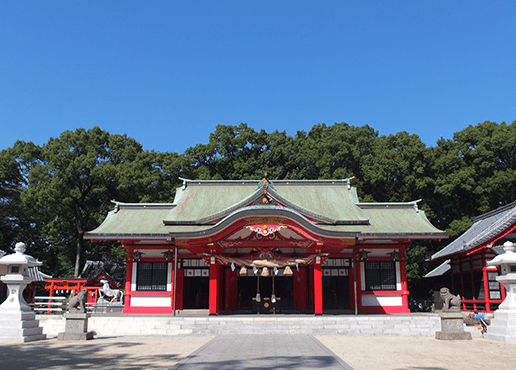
(137, 325)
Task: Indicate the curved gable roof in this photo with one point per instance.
(325, 207)
(486, 229)
(323, 201)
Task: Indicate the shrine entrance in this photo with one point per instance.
(336, 293)
(273, 291)
(196, 279)
(280, 287)
(196, 292)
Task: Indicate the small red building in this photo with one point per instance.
(262, 246)
(465, 269)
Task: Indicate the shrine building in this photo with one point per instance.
(261, 246)
(465, 270)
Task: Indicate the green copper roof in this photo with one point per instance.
(326, 207)
(137, 219)
(327, 201)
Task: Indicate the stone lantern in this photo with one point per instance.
(17, 320)
(503, 325)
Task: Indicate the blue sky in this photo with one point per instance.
(167, 72)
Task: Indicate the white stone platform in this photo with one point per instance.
(132, 325)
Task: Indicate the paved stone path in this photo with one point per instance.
(275, 351)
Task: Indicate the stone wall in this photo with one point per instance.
(110, 325)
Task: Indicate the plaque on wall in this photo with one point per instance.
(495, 295)
(493, 285)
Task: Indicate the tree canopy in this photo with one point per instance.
(50, 195)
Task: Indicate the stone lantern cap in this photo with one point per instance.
(19, 257)
(507, 258)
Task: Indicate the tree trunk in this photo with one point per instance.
(78, 257)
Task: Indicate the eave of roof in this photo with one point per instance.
(327, 208)
(439, 270)
(485, 231)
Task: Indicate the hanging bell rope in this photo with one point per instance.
(270, 264)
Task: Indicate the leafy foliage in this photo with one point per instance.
(51, 195)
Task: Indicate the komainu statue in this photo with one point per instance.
(450, 302)
(77, 301)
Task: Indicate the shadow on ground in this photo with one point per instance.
(80, 355)
(264, 363)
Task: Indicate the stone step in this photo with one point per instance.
(21, 332)
(121, 325)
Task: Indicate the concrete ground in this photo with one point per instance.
(163, 352)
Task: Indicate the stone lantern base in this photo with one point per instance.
(503, 326)
(76, 327)
(452, 327)
(20, 327)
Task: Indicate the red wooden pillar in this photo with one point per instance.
(51, 294)
(214, 287)
(359, 285)
(179, 288)
(351, 285)
(403, 278)
(128, 281)
(318, 296)
(486, 282)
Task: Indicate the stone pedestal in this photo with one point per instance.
(18, 322)
(452, 327)
(503, 325)
(76, 327)
(20, 327)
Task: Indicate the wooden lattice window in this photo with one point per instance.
(380, 275)
(151, 276)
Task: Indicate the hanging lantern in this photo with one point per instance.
(288, 271)
(255, 270)
(395, 255)
(243, 271)
(233, 267)
(363, 254)
(276, 271)
(265, 272)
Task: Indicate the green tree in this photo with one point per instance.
(17, 222)
(71, 181)
(397, 169)
(474, 173)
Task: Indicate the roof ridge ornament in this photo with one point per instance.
(117, 205)
(184, 182)
(348, 181)
(415, 202)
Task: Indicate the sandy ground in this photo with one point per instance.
(151, 352)
(404, 352)
(360, 352)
